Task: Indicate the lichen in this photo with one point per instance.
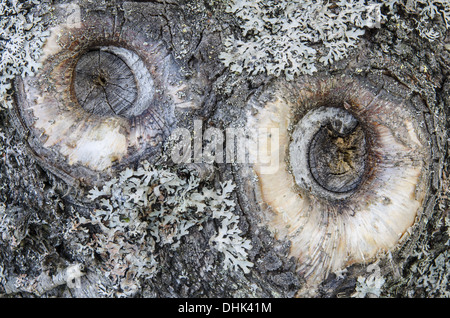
(43, 283)
(432, 265)
(281, 37)
(425, 14)
(289, 38)
(22, 34)
(370, 286)
(151, 207)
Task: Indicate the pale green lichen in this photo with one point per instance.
(432, 266)
(157, 206)
(432, 270)
(22, 35)
(370, 286)
(289, 38)
(425, 13)
(282, 37)
(432, 259)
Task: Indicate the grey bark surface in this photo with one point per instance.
(40, 203)
(104, 84)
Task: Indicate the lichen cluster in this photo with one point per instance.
(146, 209)
(290, 38)
(22, 34)
(434, 276)
(370, 286)
(432, 257)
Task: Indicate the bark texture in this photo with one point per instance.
(39, 202)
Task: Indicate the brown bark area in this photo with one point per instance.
(40, 203)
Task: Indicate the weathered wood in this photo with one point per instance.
(104, 84)
(47, 213)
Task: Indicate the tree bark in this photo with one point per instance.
(40, 204)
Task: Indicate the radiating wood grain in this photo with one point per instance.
(104, 84)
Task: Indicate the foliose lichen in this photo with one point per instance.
(151, 207)
(289, 38)
(22, 35)
(370, 286)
